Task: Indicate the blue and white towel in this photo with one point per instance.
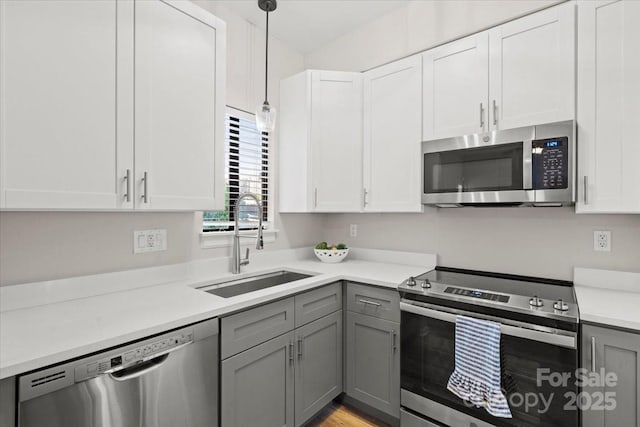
(476, 377)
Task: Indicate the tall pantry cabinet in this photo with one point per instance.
(608, 106)
(111, 105)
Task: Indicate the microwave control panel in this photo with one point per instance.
(550, 163)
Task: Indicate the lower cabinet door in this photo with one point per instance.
(318, 376)
(612, 362)
(257, 385)
(373, 362)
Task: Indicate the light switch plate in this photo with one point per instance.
(149, 241)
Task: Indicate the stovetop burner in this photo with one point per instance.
(528, 295)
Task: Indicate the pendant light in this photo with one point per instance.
(265, 113)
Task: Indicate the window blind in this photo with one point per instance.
(246, 171)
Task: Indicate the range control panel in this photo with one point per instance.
(133, 355)
(476, 294)
(550, 163)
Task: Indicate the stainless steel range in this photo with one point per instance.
(538, 349)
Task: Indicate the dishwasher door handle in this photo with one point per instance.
(139, 369)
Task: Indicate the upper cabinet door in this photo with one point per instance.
(456, 88)
(66, 140)
(608, 107)
(532, 69)
(179, 106)
(336, 141)
(392, 137)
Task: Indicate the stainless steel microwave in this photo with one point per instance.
(532, 166)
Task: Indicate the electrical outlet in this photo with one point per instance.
(353, 230)
(602, 241)
(149, 241)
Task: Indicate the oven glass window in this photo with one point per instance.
(494, 168)
(428, 359)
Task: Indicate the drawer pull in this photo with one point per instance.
(291, 352)
(364, 301)
(299, 347)
(394, 346)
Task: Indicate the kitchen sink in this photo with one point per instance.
(254, 283)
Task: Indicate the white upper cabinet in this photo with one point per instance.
(65, 93)
(73, 80)
(179, 106)
(321, 142)
(532, 69)
(520, 73)
(608, 107)
(336, 140)
(456, 79)
(392, 137)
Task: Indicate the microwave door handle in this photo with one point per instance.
(527, 165)
(514, 331)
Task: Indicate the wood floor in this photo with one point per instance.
(340, 415)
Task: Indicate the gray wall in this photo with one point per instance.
(545, 242)
(37, 246)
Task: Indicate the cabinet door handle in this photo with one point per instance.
(365, 301)
(393, 336)
(481, 115)
(127, 179)
(315, 197)
(593, 354)
(585, 193)
(145, 182)
(291, 352)
(299, 347)
(495, 113)
(365, 193)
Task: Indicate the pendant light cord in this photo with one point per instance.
(266, 59)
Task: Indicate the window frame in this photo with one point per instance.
(222, 238)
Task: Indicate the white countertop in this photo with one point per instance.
(49, 322)
(608, 297)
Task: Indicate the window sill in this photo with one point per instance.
(224, 239)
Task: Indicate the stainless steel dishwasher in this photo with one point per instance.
(167, 380)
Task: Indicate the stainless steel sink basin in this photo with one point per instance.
(254, 283)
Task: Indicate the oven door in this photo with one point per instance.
(532, 358)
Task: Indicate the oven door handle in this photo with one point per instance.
(514, 331)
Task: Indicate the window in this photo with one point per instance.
(246, 171)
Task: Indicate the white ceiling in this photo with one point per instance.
(321, 21)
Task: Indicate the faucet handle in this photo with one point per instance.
(245, 260)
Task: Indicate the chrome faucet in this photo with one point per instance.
(237, 260)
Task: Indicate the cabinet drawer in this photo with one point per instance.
(407, 419)
(318, 303)
(373, 301)
(252, 327)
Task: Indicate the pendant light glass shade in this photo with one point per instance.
(265, 117)
(265, 113)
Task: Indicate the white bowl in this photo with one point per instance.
(331, 255)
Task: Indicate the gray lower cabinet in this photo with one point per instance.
(373, 362)
(617, 352)
(318, 373)
(258, 385)
(8, 402)
(273, 375)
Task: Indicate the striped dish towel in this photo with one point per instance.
(476, 377)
